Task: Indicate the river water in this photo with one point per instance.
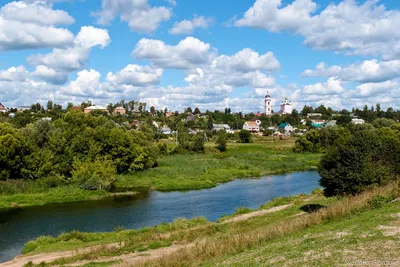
(147, 209)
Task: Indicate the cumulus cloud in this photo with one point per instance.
(188, 26)
(28, 26)
(73, 58)
(364, 72)
(331, 87)
(248, 60)
(187, 54)
(348, 27)
(136, 75)
(139, 15)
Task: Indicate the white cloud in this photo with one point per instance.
(87, 84)
(331, 87)
(139, 15)
(374, 89)
(365, 29)
(366, 71)
(24, 26)
(35, 13)
(51, 76)
(248, 60)
(75, 57)
(14, 74)
(171, 2)
(187, 54)
(136, 75)
(188, 26)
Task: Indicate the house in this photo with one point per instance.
(95, 108)
(309, 115)
(169, 114)
(119, 111)
(76, 108)
(155, 124)
(190, 117)
(2, 108)
(166, 130)
(46, 119)
(11, 115)
(357, 121)
(252, 126)
(286, 127)
(221, 127)
(330, 123)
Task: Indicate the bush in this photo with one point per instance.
(197, 143)
(99, 174)
(245, 137)
(369, 158)
(221, 142)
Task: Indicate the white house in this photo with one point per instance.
(357, 121)
(3, 108)
(222, 127)
(286, 127)
(286, 107)
(252, 126)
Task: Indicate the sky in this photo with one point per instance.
(207, 54)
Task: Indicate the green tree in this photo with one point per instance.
(245, 137)
(222, 141)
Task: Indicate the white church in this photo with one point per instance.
(286, 106)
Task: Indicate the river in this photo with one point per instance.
(147, 209)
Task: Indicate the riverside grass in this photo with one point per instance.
(197, 171)
(175, 172)
(215, 243)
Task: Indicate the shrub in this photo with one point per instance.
(245, 137)
(221, 142)
(99, 174)
(369, 158)
(197, 143)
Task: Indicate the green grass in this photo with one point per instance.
(196, 171)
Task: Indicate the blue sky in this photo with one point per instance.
(230, 54)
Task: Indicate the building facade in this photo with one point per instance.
(286, 107)
(268, 105)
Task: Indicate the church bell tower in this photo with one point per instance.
(268, 105)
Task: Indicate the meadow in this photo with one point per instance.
(174, 172)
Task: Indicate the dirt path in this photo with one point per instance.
(127, 259)
(247, 216)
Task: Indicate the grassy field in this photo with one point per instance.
(335, 231)
(195, 171)
(176, 172)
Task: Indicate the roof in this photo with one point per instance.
(96, 108)
(316, 125)
(251, 123)
(221, 126)
(283, 125)
(119, 108)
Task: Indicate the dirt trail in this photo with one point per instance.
(127, 259)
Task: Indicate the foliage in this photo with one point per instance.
(94, 175)
(317, 141)
(53, 149)
(222, 141)
(245, 137)
(368, 158)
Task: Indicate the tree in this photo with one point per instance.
(210, 123)
(221, 141)
(49, 105)
(362, 161)
(245, 137)
(153, 110)
(196, 111)
(70, 105)
(188, 110)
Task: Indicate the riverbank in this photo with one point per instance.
(296, 231)
(180, 172)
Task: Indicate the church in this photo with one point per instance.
(286, 106)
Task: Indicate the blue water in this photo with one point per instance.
(19, 226)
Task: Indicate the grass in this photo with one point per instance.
(196, 171)
(175, 172)
(287, 237)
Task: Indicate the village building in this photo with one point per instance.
(286, 128)
(252, 126)
(95, 108)
(268, 105)
(222, 127)
(286, 107)
(119, 111)
(357, 121)
(166, 130)
(3, 108)
(314, 115)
